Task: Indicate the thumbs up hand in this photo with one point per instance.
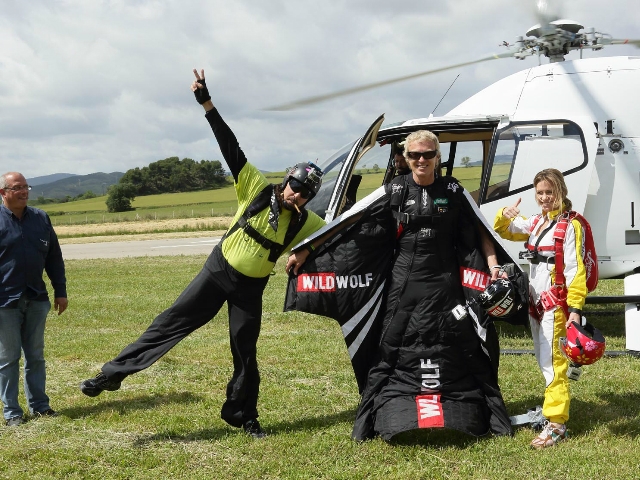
(512, 211)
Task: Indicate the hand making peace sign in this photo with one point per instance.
(199, 89)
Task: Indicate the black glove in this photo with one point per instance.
(202, 94)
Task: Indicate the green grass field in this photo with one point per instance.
(202, 204)
(165, 423)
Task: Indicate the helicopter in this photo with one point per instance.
(572, 115)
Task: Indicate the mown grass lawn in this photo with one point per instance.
(200, 204)
(164, 422)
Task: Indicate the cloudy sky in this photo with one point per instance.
(103, 85)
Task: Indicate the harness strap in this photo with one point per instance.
(542, 259)
(557, 294)
(535, 248)
(258, 204)
(558, 240)
(253, 233)
(292, 231)
(543, 248)
(397, 201)
(419, 220)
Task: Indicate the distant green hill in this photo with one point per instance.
(54, 177)
(75, 185)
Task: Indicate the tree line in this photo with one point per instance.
(170, 175)
(41, 200)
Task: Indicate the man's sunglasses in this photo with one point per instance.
(428, 155)
(299, 187)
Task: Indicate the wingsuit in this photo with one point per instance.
(424, 367)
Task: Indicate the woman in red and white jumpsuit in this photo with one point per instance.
(551, 195)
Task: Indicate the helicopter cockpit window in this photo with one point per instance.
(372, 167)
(465, 163)
(331, 169)
(523, 150)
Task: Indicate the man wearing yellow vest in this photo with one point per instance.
(270, 220)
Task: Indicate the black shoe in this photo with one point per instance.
(94, 386)
(14, 421)
(253, 428)
(49, 412)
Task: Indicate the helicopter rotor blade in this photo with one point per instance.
(349, 91)
(620, 41)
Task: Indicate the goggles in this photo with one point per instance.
(297, 186)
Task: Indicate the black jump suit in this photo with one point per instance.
(424, 349)
(219, 282)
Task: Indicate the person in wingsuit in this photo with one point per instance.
(431, 369)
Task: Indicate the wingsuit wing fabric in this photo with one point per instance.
(345, 280)
(415, 364)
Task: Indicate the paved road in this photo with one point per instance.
(141, 248)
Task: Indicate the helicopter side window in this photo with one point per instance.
(523, 150)
(331, 169)
(371, 167)
(466, 164)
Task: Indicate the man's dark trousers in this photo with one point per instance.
(216, 283)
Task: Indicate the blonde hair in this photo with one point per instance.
(424, 136)
(558, 187)
(420, 136)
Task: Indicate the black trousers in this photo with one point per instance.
(216, 283)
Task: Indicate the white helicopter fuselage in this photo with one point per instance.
(581, 117)
(601, 96)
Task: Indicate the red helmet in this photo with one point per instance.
(583, 345)
(499, 298)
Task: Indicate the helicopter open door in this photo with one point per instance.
(340, 184)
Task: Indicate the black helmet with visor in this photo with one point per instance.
(304, 176)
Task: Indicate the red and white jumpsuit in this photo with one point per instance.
(551, 327)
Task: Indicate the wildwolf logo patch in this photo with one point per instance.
(330, 282)
(474, 278)
(429, 411)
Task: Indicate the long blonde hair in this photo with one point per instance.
(558, 186)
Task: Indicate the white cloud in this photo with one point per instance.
(103, 85)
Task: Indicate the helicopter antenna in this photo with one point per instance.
(445, 94)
